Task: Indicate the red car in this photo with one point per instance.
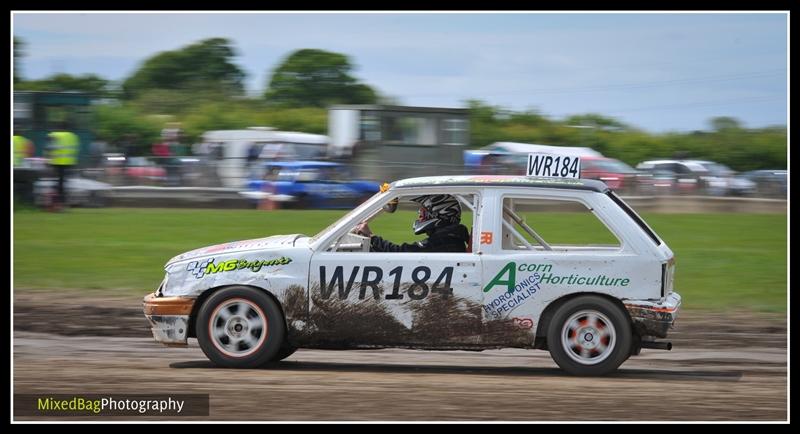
(143, 169)
(135, 169)
(617, 175)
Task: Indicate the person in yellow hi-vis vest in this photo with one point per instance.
(64, 147)
(23, 148)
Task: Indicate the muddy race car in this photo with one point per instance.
(552, 263)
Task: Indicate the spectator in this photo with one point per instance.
(64, 147)
(253, 153)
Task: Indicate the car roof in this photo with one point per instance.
(769, 171)
(300, 138)
(526, 148)
(502, 181)
(692, 164)
(265, 134)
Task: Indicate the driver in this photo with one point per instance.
(439, 218)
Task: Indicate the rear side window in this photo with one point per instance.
(628, 210)
(561, 224)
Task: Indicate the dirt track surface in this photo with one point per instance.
(722, 367)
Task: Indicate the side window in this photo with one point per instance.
(454, 131)
(557, 225)
(680, 168)
(396, 224)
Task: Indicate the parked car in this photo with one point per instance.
(80, 192)
(690, 177)
(309, 184)
(702, 177)
(617, 175)
(499, 157)
(769, 183)
(657, 182)
(253, 302)
(145, 170)
(724, 182)
(512, 157)
(122, 169)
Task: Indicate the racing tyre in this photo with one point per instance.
(240, 327)
(589, 335)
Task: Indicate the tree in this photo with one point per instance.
(725, 123)
(316, 78)
(115, 123)
(205, 65)
(596, 121)
(87, 83)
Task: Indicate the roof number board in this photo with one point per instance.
(554, 166)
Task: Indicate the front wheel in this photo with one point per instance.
(240, 327)
(589, 335)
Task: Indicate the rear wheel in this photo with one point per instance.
(589, 335)
(240, 327)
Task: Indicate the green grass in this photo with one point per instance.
(724, 261)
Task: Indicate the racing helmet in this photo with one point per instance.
(436, 210)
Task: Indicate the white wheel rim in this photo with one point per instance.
(588, 337)
(237, 327)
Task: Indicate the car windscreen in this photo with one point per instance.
(718, 169)
(347, 216)
(309, 151)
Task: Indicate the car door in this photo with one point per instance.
(425, 300)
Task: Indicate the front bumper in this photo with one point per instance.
(654, 318)
(169, 318)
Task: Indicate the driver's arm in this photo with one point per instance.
(378, 244)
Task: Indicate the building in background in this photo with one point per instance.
(38, 113)
(386, 143)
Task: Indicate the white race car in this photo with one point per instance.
(592, 304)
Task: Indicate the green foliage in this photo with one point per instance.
(201, 66)
(178, 102)
(19, 53)
(307, 120)
(217, 117)
(237, 115)
(316, 78)
(91, 84)
(725, 123)
(119, 124)
(595, 120)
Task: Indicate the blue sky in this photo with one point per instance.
(658, 72)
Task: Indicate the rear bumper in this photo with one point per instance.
(169, 318)
(654, 318)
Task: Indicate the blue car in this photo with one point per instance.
(309, 184)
